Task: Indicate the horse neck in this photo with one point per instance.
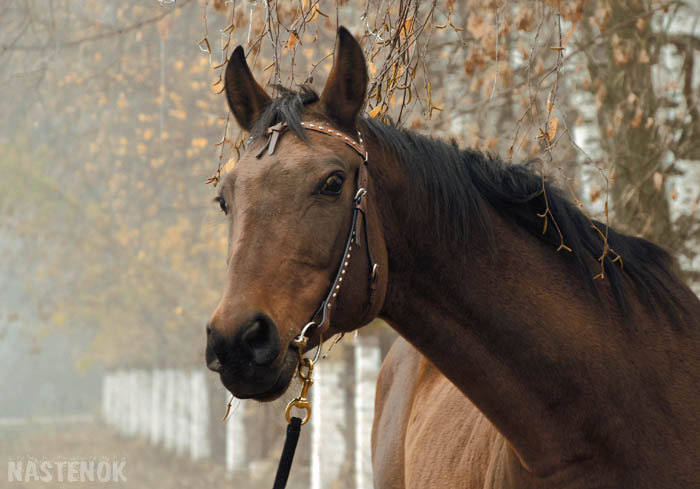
(507, 321)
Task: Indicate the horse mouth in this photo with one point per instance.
(262, 386)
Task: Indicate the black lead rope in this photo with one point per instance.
(290, 446)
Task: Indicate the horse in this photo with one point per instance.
(578, 345)
(421, 420)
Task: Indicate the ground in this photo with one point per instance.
(145, 467)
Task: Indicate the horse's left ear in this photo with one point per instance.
(245, 97)
(346, 87)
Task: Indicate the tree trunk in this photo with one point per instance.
(621, 72)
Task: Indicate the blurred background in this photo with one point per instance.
(112, 255)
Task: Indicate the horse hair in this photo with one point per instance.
(458, 182)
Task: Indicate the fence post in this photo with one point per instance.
(367, 362)
(107, 398)
(123, 412)
(235, 437)
(133, 396)
(144, 405)
(156, 406)
(163, 406)
(182, 415)
(169, 410)
(317, 426)
(328, 426)
(199, 408)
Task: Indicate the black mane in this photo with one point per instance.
(458, 182)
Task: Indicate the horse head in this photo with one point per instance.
(304, 245)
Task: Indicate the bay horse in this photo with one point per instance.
(561, 381)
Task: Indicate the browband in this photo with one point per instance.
(273, 133)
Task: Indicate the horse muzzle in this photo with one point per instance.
(250, 363)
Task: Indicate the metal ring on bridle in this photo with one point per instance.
(302, 340)
(304, 330)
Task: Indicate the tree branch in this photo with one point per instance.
(95, 37)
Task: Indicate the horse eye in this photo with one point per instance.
(222, 203)
(333, 184)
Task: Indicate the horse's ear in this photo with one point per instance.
(245, 97)
(346, 87)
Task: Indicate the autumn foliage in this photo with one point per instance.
(113, 120)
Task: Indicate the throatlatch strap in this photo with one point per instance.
(290, 446)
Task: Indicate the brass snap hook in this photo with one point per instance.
(302, 402)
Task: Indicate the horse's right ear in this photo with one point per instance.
(245, 97)
(346, 88)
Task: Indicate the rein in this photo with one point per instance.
(320, 320)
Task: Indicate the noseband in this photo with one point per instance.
(320, 321)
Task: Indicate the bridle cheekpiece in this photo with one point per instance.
(320, 320)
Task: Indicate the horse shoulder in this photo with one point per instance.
(449, 442)
(392, 408)
(426, 433)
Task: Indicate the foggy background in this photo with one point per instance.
(112, 255)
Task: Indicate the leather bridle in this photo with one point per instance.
(320, 320)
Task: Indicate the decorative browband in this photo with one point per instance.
(273, 133)
(359, 147)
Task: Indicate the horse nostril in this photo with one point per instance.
(210, 356)
(214, 365)
(261, 340)
(255, 336)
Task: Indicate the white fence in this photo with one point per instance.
(165, 406)
(170, 408)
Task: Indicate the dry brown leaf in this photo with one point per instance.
(407, 27)
(552, 128)
(292, 41)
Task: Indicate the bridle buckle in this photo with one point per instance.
(375, 273)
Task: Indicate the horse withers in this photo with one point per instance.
(579, 383)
